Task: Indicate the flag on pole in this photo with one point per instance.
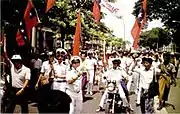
(96, 11)
(139, 24)
(76, 44)
(30, 18)
(49, 5)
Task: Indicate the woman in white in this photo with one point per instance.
(74, 86)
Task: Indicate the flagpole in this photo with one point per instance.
(124, 33)
(104, 49)
(124, 30)
(35, 12)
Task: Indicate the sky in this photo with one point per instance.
(125, 10)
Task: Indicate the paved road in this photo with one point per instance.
(92, 103)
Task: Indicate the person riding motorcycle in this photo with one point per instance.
(115, 73)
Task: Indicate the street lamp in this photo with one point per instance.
(120, 17)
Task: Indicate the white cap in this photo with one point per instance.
(114, 51)
(108, 52)
(172, 53)
(61, 50)
(75, 57)
(90, 51)
(50, 53)
(16, 57)
(134, 51)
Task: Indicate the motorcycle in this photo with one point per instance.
(113, 103)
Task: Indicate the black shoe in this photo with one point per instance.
(99, 109)
(164, 104)
(137, 105)
(160, 107)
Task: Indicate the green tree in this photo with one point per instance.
(166, 10)
(155, 38)
(61, 18)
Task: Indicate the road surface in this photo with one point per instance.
(92, 102)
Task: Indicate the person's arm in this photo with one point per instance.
(41, 74)
(135, 69)
(5, 53)
(71, 79)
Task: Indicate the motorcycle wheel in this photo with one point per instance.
(107, 108)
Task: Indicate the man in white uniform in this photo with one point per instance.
(59, 82)
(46, 69)
(74, 86)
(91, 64)
(116, 73)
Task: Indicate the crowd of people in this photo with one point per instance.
(60, 76)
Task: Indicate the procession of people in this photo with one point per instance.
(59, 82)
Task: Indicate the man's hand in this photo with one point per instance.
(19, 92)
(36, 86)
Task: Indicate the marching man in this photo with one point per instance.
(91, 64)
(74, 86)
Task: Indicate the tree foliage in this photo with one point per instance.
(155, 38)
(166, 10)
(61, 18)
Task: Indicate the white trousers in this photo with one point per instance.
(121, 92)
(139, 92)
(91, 76)
(61, 86)
(76, 105)
(130, 77)
(135, 78)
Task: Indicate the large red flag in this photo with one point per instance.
(49, 5)
(76, 44)
(19, 38)
(135, 32)
(139, 24)
(96, 11)
(30, 19)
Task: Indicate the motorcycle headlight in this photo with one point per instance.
(111, 87)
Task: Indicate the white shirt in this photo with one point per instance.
(19, 76)
(46, 67)
(146, 77)
(60, 69)
(36, 63)
(115, 74)
(123, 62)
(100, 63)
(90, 63)
(76, 86)
(156, 64)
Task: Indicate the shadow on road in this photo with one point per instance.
(87, 99)
(170, 105)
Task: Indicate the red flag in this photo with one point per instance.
(30, 18)
(139, 24)
(76, 44)
(49, 5)
(96, 11)
(135, 32)
(19, 38)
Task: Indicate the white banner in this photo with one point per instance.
(108, 7)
